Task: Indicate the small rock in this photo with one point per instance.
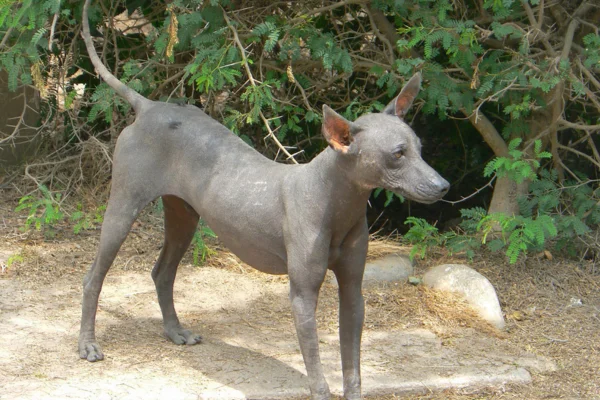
(476, 288)
(413, 280)
(390, 268)
(517, 316)
(575, 302)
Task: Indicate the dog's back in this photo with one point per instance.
(239, 190)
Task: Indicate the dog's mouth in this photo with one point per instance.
(421, 194)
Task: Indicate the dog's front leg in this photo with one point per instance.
(306, 277)
(349, 269)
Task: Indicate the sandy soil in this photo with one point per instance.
(250, 350)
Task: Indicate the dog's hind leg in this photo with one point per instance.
(123, 208)
(180, 224)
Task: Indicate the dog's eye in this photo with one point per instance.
(399, 153)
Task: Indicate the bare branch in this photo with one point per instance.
(573, 125)
(290, 73)
(587, 73)
(581, 154)
(556, 109)
(489, 133)
(53, 27)
(536, 25)
(6, 36)
(540, 20)
(593, 98)
(573, 25)
(558, 13)
(325, 9)
(170, 79)
(390, 45)
(592, 145)
(17, 126)
(487, 185)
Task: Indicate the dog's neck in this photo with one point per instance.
(333, 177)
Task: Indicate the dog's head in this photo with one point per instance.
(381, 150)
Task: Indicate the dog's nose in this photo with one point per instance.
(443, 186)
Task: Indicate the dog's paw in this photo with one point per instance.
(183, 336)
(90, 351)
(322, 393)
(352, 393)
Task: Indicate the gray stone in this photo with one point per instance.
(389, 268)
(476, 288)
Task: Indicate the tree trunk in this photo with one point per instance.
(18, 121)
(506, 193)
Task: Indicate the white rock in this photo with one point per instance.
(476, 288)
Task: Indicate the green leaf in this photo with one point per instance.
(389, 196)
(513, 144)
(495, 244)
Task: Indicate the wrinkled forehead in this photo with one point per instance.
(388, 128)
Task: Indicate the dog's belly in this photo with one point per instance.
(253, 254)
(254, 241)
(259, 259)
(244, 209)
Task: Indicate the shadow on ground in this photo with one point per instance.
(250, 348)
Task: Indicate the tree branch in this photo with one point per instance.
(21, 120)
(573, 125)
(487, 185)
(536, 25)
(6, 36)
(557, 107)
(385, 39)
(581, 10)
(557, 98)
(253, 83)
(540, 20)
(387, 29)
(54, 21)
(164, 83)
(587, 73)
(489, 133)
(589, 93)
(581, 154)
(325, 9)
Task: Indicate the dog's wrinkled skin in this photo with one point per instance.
(298, 220)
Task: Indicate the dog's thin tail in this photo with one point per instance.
(136, 100)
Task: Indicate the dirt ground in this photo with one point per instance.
(250, 349)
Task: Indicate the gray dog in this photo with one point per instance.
(298, 220)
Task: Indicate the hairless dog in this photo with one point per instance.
(298, 220)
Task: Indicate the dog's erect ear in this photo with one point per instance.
(401, 104)
(336, 130)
